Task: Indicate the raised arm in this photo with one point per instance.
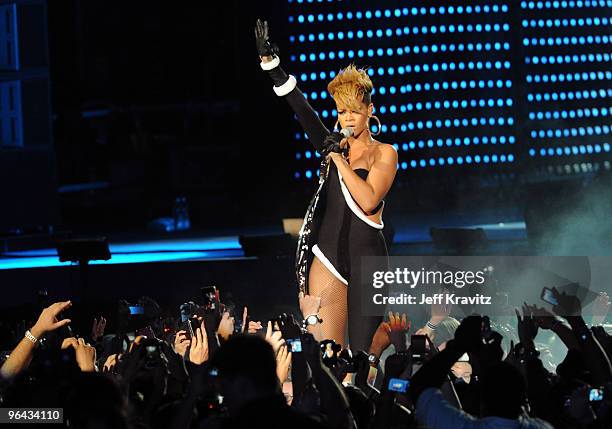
(286, 86)
(594, 354)
(21, 356)
(334, 404)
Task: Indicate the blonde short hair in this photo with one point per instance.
(350, 87)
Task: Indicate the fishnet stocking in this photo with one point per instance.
(334, 310)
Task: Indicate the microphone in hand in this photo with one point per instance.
(333, 142)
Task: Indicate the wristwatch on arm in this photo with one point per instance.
(373, 360)
(311, 320)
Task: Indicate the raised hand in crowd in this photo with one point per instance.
(543, 318)
(399, 328)
(110, 363)
(254, 327)
(212, 319)
(85, 353)
(288, 326)
(226, 326)
(568, 306)
(546, 320)
(527, 326)
(97, 330)
(309, 304)
(283, 362)
(274, 338)
(198, 352)
(49, 320)
(381, 339)
(249, 326)
(181, 343)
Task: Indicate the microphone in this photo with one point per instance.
(332, 145)
(347, 132)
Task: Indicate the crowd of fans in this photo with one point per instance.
(207, 367)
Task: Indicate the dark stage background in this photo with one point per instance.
(146, 101)
(500, 111)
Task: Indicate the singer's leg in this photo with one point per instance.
(333, 311)
(362, 326)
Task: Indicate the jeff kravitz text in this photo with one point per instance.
(438, 298)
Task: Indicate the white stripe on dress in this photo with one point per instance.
(355, 208)
(319, 254)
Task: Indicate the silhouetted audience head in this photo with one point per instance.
(95, 401)
(503, 391)
(362, 408)
(573, 366)
(246, 368)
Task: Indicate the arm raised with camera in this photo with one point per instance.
(395, 365)
(432, 409)
(547, 320)
(525, 357)
(434, 372)
(299, 368)
(570, 308)
(334, 404)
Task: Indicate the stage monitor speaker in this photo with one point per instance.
(83, 250)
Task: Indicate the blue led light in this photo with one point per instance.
(564, 4)
(570, 95)
(541, 23)
(465, 99)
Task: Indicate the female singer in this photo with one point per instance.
(356, 174)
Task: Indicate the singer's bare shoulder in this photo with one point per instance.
(385, 152)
